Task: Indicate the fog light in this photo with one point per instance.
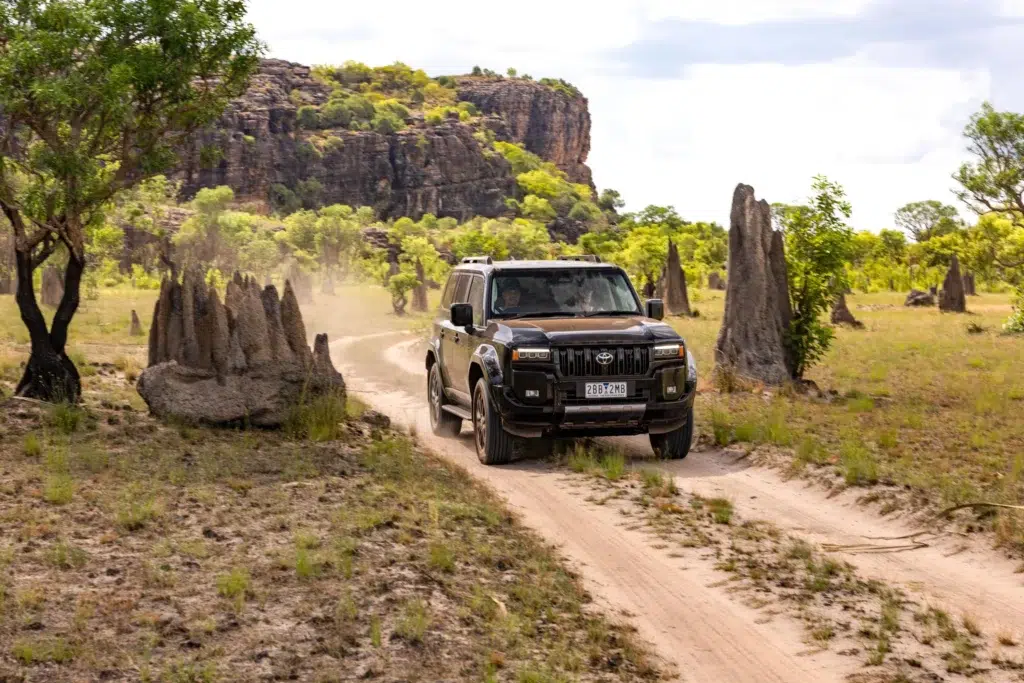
(532, 393)
(670, 389)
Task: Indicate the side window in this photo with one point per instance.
(462, 289)
(449, 292)
(476, 300)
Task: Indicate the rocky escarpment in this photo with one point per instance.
(552, 124)
(445, 169)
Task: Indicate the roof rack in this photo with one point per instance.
(477, 259)
(593, 258)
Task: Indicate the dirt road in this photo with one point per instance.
(679, 605)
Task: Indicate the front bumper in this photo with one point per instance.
(560, 410)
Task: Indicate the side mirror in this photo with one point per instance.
(655, 309)
(462, 315)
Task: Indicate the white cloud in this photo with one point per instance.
(750, 11)
(687, 142)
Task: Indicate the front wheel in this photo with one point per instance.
(494, 446)
(674, 445)
(442, 423)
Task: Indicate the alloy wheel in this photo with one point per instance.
(480, 422)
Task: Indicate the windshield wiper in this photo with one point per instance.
(596, 314)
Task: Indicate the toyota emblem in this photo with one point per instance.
(604, 358)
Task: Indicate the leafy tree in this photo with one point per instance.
(818, 245)
(993, 186)
(928, 219)
(400, 285)
(610, 200)
(97, 95)
(643, 255)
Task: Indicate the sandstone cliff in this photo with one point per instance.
(552, 124)
(441, 169)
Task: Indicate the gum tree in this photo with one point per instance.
(96, 96)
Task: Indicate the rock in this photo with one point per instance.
(294, 328)
(220, 335)
(135, 330)
(52, 289)
(174, 323)
(715, 281)
(553, 124)
(251, 364)
(190, 344)
(757, 310)
(919, 298)
(676, 300)
(252, 328)
(952, 298)
(262, 396)
(442, 169)
(419, 292)
(376, 419)
(279, 349)
(841, 314)
(322, 364)
(969, 285)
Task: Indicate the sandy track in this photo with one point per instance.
(700, 628)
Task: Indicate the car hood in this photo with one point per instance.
(613, 329)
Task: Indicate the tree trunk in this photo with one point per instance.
(49, 375)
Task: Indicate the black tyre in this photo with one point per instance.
(494, 446)
(442, 423)
(674, 445)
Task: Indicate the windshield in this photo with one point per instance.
(569, 292)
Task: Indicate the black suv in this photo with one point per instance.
(534, 350)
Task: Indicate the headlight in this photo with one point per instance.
(669, 351)
(691, 367)
(533, 355)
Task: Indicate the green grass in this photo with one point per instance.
(917, 387)
(613, 465)
(317, 419)
(414, 622)
(32, 447)
(235, 585)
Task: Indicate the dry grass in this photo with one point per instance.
(131, 550)
(921, 402)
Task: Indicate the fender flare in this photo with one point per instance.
(486, 357)
(433, 354)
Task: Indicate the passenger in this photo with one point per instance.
(508, 296)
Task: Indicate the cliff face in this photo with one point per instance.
(441, 169)
(551, 124)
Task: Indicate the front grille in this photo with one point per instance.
(627, 361)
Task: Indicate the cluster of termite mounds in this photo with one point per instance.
(952, 298)
(243, 361)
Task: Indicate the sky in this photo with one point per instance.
(690, 97)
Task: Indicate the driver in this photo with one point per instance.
(508, 295)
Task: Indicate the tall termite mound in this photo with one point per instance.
(952, 298)
(676, 300)
(751, 343)
(242, 361)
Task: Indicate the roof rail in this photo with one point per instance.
(477, 259)
(593, 258)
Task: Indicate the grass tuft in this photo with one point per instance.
(317, 419)
(414, 622)
(32, 447)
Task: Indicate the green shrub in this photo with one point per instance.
(1015, 323)
(308, 117)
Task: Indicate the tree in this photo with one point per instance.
(97, 95)
(993, 184)
(818, 245)
(610, 200)
(928, 219)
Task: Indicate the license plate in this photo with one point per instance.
(605, 390)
